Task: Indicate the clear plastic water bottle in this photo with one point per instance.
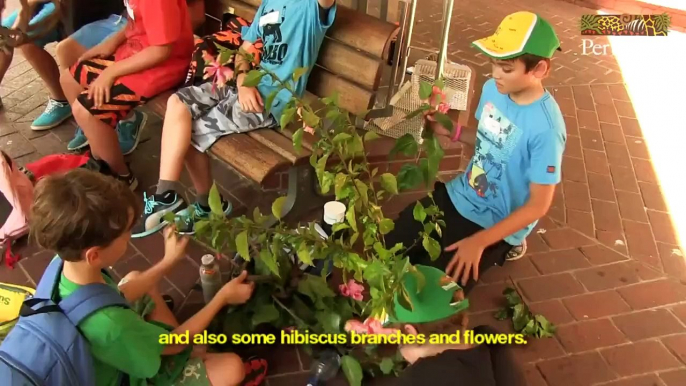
(210, 277)
(324, 368)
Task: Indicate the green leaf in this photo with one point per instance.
(311, 119)
(225, 56)
(420, 110)
(270, 100)
(277, 207)
(339, 227)
(386, 365)
(269, 260)
(370, 136)
(300, 71)
(445, 121)
(520, 317)
(406, 145)
(409, 177)
(352, 370)
(304, 254)
(265, 313)
(341, 137)
(389, 183)
(315, 287)
(287, 117)
(421, 280)
(253, 78)
(425, 90)
(350, 217)
(374, 273)
(332, 99)
(215, 200)
(298, 139)
(386, 226)
(512, 297)
(419, 212)
(242, 245)
(432, 246)
(327, 181)
(502, 314)
(440, 83)
(530, 328)
(330, 321)
(545, 328)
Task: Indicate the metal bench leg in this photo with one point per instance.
(301, 196)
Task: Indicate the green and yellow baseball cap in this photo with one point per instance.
(518, 34)
(432, 302)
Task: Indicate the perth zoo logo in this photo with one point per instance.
(625, 25)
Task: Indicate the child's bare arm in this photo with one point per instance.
(237, 291)
(174, 250)
(147, 58)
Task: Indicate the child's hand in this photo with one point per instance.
(250, 99)
(99, 90)
(174, 245)
(102, 50)
(237, 291)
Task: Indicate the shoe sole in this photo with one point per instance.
(78, 147)
(154, 229)
(192, 232)
(43, 128)
(140, 132)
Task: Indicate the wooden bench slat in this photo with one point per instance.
(340, 59)
(368, 33)
(351, 97)
(281, 144)
(262, 160)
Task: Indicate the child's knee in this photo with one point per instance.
(225, 369)
(79, 111)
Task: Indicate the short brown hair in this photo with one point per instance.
(531, 61)
(79, 210)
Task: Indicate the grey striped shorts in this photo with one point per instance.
(216, 114)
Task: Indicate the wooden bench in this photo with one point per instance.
(350, 63)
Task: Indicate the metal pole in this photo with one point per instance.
(410, 26)
(442, 53)
(400, 43)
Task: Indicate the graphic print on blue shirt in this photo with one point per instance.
(493, 148)
(516, 146)
(292, 32)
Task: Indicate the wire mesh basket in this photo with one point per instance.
(457, 79)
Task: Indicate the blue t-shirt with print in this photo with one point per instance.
(516, 145)
(292, 32)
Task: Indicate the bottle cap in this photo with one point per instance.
(207, 259)
(334, 212)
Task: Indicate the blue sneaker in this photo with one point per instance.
(129, 131)
(196, 212)
(155, 208)
(79, 141)
(54, 114)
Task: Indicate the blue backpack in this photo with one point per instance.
(45, 347)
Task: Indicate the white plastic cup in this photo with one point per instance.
(334, 212)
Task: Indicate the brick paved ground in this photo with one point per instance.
(605, 264)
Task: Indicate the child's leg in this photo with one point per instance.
(224, 369)
(176, 139)
(46, 67)
(68, 52)
(98, 123)
(161, 312)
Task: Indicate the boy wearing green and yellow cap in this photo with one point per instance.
(438, 309)
(510, 181)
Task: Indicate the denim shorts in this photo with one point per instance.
(42, 11)
(90, 35)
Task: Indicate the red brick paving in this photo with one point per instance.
(604, 264)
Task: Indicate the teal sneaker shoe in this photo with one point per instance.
(54, 114)
(79, 141)
(195, 213)
(129, 131)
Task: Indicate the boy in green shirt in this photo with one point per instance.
(86, 219)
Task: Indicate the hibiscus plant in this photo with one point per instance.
(369, 269)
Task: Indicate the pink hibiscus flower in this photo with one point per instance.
(369, 326)
(214, 69)
(352, 290)
(306, 128)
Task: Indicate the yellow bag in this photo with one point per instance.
(11, 298)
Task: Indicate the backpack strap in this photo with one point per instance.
(90, 298)
(49, 280)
